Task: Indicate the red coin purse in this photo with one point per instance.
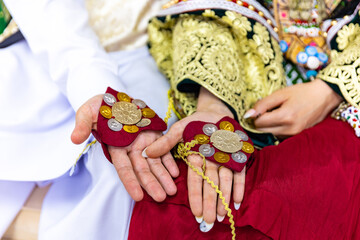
(122, 118)
(224, 142)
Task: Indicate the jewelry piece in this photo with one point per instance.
(231, 147)
(122, 118)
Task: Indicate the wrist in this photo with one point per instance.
(207, 102)
(332, 98)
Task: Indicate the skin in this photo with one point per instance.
(290, 110)
(284, 113)
(153, 174)
(202, 198)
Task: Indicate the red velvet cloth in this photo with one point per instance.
(308, 187)
(106, 136)
(196, 127)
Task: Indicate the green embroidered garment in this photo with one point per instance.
(4, 17)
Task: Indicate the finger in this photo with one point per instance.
(165, 143)
(195, 187)
(163, 176)
(85, 119)
(170, 164)
(210, 195)
(146, 178)
(126, 173)
(239, 187)
(269, 102)
(277, 117)
(226, 181)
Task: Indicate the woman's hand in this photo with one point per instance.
(153, 174)
(290, 110)
(204, 202)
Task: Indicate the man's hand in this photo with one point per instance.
(290, 110)
(153, 174)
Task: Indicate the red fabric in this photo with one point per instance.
(106, 136)
(196, 127)
(308, 187)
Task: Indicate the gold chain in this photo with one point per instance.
(182, 152)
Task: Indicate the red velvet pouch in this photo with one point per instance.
(122, 118)
(224, 142)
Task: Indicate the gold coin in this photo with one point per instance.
(202, 139)
(226, 141)
(131, 128)
(126, 113)
(247, 147)
(148, 113)
(225, 125)
(105, 111)
(123, 97)
(144, 122)
(221, 157)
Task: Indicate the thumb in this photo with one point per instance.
(86, 119)
(165, 143)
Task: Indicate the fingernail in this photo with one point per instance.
(205, 227)
(220, 218)
(144, 153)
(237, 206)
(199, 219)
(249, 113)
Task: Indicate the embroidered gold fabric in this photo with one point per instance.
(344, 69)
(217, 53)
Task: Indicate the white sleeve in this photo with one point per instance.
(58, 33)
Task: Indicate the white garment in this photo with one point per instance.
(62, 65)
(121, 24)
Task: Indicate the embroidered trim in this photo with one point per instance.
(194, 5)
(216, 53)
(331, 27)
(11, 29)
(344, 68)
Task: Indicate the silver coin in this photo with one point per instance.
(109, 99)
(114, 125)
(239, 157)
(209, 129)
(206, 150)
(144, 122)
(139, 103)
(242, 135)
(226, 141)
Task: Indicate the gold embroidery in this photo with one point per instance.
(347, 35)
(344, 68)
(217, 54)
(11, 29)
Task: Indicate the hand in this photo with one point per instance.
(290, 110)
(204, 202)
(153, 174)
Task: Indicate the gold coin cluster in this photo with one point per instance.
(126, 113)
(229, 143)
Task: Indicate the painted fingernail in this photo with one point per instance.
(249, 113)
(199, 219)
(220, 218)
(144, 153)
(205, 227)
(237, 206)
